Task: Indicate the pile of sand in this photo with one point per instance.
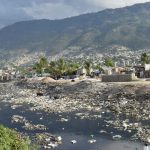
(48, 80)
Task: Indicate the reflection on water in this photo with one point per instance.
(74, 129)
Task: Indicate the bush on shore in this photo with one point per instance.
(12, 140)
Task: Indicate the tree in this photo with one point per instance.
(62, 67)
(58, 68)
(41, 65)
(38, 68)
(109, 62)
(23, 71)
(72, 68)
(88, 66)
(145, 59)
(43, 62)
(98, 67)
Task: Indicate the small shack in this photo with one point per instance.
(142, 71)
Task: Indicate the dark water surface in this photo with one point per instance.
(74, 129)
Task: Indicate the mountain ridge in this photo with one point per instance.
(128, 26)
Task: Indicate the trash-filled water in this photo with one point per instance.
(76, 133)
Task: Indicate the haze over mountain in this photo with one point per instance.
(129, 27)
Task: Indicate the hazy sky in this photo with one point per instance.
(17, 10)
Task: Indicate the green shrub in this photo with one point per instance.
(12, 140)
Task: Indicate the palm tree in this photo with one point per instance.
(38, 68)
(62, 67)
(72, 68)
(109, 62)
(145, 59)
(53, 68)
(43, 62)
(98, 67)
(88, 66)
(58, 68)
(41, 65)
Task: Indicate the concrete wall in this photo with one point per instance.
(147, 67)
(119, 78)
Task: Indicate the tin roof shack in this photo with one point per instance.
(142, 71)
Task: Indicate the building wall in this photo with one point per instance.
(147, 67)
(119, 78)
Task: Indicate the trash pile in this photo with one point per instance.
(128, 104)
(26, 124)
(47, 141)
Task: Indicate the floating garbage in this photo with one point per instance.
(15, 106)
(59, 138)
(47, 140)
(18, 119)
(73, 141)
(92, 141)
(26, 124)
(103, 131)
(29, 126)
(64, 120)
(52, 145)
(117, 137)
